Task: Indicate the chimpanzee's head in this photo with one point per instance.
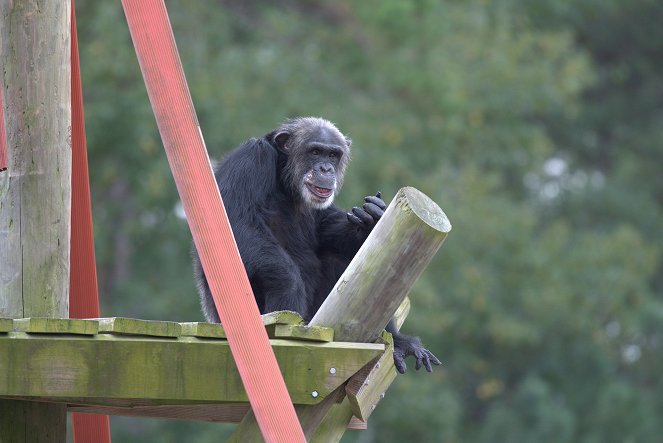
(317, 154)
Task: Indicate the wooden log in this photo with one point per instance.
(35, 195)
(380, 276)
(368, 294)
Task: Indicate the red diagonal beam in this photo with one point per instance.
(171, 102)
(83, 289)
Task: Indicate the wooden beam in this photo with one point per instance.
(369, 293)
(367, 387)
(35, 195)
(105, 368)
(216, 413)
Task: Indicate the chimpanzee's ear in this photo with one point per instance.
(281, 141)
(348, 141)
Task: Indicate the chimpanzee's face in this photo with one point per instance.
(317, 158)
(322, 154)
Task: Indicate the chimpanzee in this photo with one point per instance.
(278, 192)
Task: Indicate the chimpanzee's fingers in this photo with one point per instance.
(399, 362)
(374, 210)
(353, 219)
(427, 363)
(434, 359)
(419, 358)
(364, 216)
(376, 201)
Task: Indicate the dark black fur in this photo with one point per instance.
(294, 243)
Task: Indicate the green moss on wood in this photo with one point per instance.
(45, 325)
(132, 326)
(368, 386)
(282, 318)
(107, 367)
(301, 332)
(203, 330)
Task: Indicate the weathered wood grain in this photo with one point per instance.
(80, 369)
(218, 413)
(56, 326)
(133, 326)
(35, 192)
(301, 332)
(381, 274)
(203, 330)
(367, 387)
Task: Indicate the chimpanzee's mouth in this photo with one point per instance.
(318, 191)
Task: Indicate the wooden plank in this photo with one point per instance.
(132, 326)
(367, 387)
(270, 320)
(216, 413)
(282, 318)
(334, 424)
(357, 424)
(83, 369)
(44, 325)
(301, 332)
(6, 325)
(203, 330)
(31, 421)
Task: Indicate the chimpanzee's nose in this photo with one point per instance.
(326, 168)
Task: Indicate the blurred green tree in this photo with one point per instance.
(535, 125)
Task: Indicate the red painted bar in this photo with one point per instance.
(83, 290)
(178, 124)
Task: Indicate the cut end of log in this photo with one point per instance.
(425, 208)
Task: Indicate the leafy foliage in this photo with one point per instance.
(535, 125)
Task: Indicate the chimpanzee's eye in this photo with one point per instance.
(315, 152)
(333, 155)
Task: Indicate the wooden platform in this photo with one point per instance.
(122, 366)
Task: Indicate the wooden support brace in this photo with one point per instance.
(367, 295)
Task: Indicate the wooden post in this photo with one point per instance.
(368, 294)
(35, 194)
(382, 273)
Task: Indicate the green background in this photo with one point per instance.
(537, 127)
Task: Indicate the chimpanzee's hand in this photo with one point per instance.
(368, 215)
(407, 346)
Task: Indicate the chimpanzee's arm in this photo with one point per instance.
(344, 232)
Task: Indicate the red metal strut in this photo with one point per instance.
(83, 290)
(185, 148)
